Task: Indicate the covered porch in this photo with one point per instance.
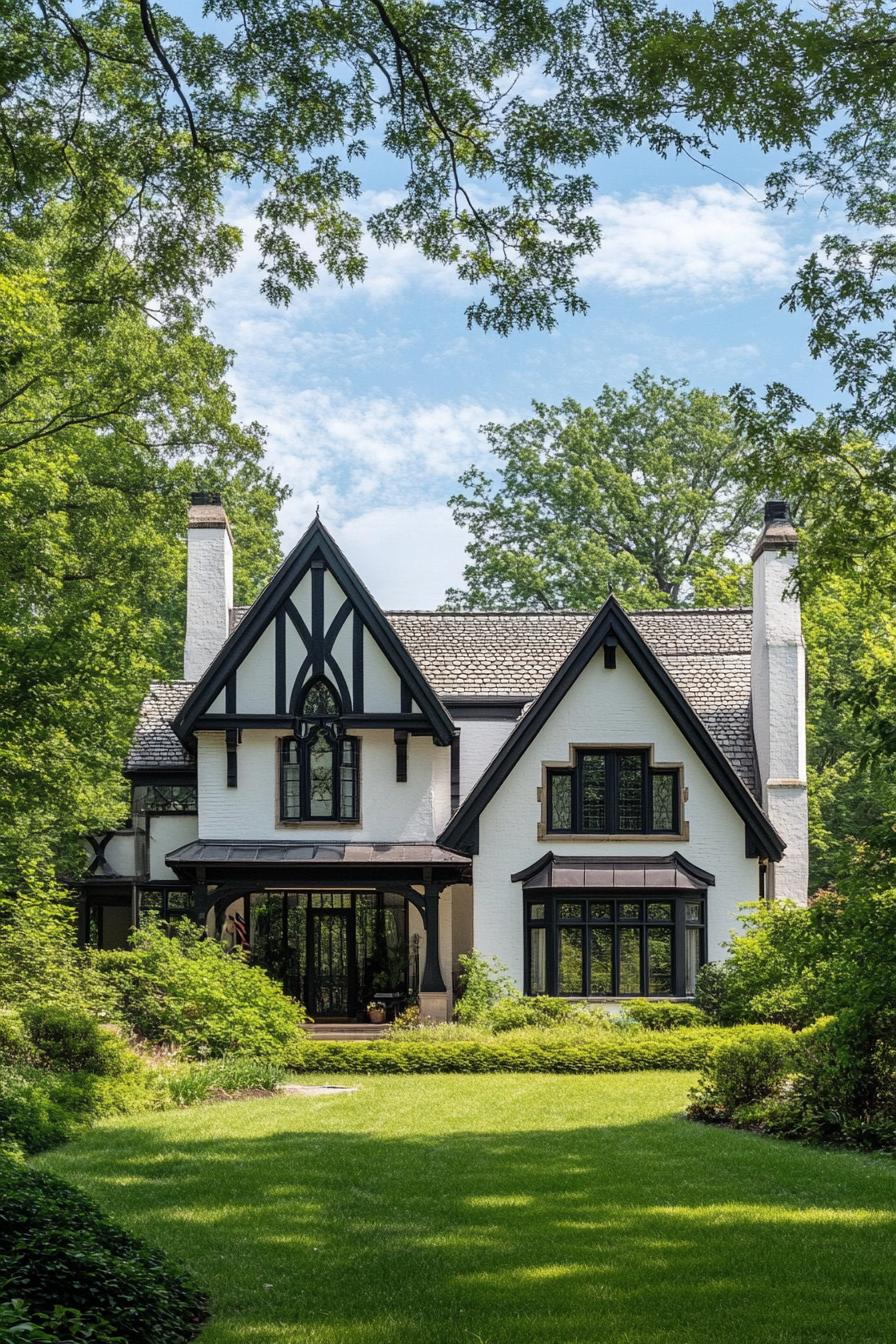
(338, 924)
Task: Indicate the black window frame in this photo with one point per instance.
(553, 920)
(312, 724)
(302, 749)
(171, 800)
(612, 756)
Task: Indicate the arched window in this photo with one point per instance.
(319, 763)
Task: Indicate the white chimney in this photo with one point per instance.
(209, 582)
(779, 700)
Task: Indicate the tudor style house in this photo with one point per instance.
(360, 796)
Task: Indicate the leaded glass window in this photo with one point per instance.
(319, 778)
(319, 701)
(609, 947)
(613, 792)
(630, 793)
(162, 799)
(594, 792)
(561, 801)
(662, 800)
(321, 773)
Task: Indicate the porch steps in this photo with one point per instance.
(345, 1031)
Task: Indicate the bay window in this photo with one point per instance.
(600, 945)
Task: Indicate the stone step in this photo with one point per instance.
(345, 1031)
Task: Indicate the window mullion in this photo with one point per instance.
(612, 778)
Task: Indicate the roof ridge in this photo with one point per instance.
(570, 611)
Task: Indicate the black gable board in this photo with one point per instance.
(315, 545)
(611, 622)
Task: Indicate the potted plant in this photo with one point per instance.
(376, 1012)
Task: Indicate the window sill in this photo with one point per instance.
(317, 824)
(628, 838)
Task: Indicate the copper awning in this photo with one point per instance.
(669, 872)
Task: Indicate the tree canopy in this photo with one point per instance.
(107, 421)
(639, 494)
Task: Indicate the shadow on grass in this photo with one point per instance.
(660, 1231)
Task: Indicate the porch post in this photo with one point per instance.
(433, 994)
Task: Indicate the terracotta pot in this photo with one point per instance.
(376, 1014)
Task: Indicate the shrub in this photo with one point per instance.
(529, 1051)
(15, 1047)
(72, 1273)
(660, 1015)
(40, 960)
(189, 991)
(31, 1116)
(538, 1011)
(747, 1065)
(779, 967)
(483, 982)
(68, 1038)
(190, 1084)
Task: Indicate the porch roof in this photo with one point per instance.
(662, 872)
(351, 857)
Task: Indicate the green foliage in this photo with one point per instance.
(657, 1015)
(33, 1115)
(192, 1083)
(67, 1039)
(640, 493)
(534, 1050)
(743, 1068)
(75, 1275)
(15, 1047)
(778, 967)
(39, 959)
(109, 416)
(187, 991)
(483, 982)
(540, 1011)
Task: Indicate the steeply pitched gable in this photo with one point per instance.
(315, 619)
(612, 626)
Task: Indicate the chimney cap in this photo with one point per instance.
(206, 510)
(778, 532)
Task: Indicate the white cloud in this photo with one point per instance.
(706, 240)
(379, 469)
(406, 556)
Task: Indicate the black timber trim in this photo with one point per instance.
(316, 545)
(162, 774)
(357, 663)
(231, 738)
(611, 620)
(401, 756)
(414, 723)
(455, 773)
(280, 662)
(673, 860)
(486, 706)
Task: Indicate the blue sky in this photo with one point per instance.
(373, 396)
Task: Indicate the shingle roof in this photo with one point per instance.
(154, 742)
(707, 653)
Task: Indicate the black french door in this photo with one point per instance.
(331, 963)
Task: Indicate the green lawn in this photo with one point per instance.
(501, 1210)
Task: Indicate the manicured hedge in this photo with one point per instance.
(74, 1275)
(540, 1052)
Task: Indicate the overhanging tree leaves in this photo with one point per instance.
(639, 494)
(107, 421)
(139, 119)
